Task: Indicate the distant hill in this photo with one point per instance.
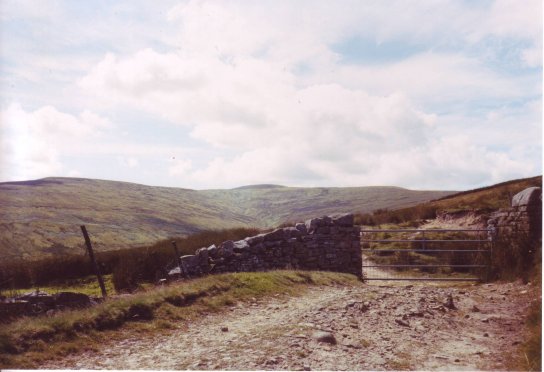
(261, 186)
(42, 217)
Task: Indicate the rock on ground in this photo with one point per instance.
(375, 328)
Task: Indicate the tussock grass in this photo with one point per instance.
(529, 356)
(28, 341)
(532, 348)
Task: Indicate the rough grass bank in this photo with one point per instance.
(29, 341)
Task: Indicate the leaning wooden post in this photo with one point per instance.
(93, 261)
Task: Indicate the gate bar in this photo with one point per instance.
(422, 230)
(423, 250)
(429, 279)
(425, 240)
(390, 265)
(421, 243)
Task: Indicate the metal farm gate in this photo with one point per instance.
(431, 255)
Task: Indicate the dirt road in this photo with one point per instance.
(375, 328)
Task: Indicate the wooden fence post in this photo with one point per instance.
(93, 261)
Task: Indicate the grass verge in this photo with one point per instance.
(528, 355)
(532, 348)
(28, 342)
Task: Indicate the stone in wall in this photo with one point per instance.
(328, 243)
(523, 217)
(529, 197)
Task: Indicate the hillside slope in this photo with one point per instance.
(488, 198)
(42, 217)
(474, 204)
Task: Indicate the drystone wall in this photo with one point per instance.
(329, 243)
(524, 218)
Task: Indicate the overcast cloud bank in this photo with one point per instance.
(209, 94)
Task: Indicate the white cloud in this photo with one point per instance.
(532, 57)
(245, 48)
(179, 167)
(128, 162)
(452, 161)
(262, 86)
(280, 128)
(513, 19)
(29, 9)
(33, 142)
(272, 28)
(220, 99)
(435, 79)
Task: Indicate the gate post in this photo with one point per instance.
(491, 233)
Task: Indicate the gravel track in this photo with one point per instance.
(376, 328)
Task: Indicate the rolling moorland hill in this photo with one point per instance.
(42, 217)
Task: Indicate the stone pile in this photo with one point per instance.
(329, 243)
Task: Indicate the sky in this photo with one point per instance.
(431, 94)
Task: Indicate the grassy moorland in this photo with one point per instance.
(486, 198)
(481, 201)
(41, 218)
(27, 342)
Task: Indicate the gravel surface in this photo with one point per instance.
(367, 327)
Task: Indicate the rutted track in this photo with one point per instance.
(376, 328)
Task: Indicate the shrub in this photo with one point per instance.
(130, 266)
(149, 264)
(7, 344)
(125, 276)
(409, 215)
(364, 219)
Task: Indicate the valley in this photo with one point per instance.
(41, 218)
